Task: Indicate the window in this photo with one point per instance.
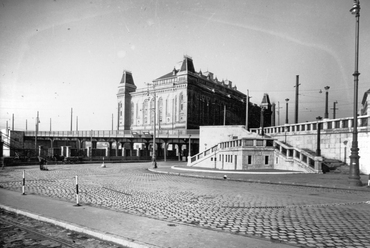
(266, 159)
(145, 111)
(181, 100)
(175, 108)
(151, 111)
(137, 111)
(249, 159)
(160, 109)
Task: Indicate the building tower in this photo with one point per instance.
(125, 88)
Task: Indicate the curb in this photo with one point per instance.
(255, 181)
(74, 227)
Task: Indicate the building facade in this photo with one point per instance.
(185, 99)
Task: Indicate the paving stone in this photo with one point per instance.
(298, 214)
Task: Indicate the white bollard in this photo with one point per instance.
(368, 182)
(77, 197)
(23, 183)
(103, 165)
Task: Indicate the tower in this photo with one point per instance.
(125, 88)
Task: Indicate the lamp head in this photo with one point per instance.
(356, 7)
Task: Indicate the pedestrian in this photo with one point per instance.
(42, 162)
(155, 163)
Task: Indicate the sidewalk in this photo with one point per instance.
(121, 228)
(328, 180)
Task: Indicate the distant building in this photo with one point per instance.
(185, 99)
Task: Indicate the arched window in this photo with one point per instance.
(151, 111)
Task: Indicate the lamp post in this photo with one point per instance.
(326, 102)
(286, 115)
(154, 161)
(318, 150)
(354, 173)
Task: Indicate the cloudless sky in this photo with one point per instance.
(57, 55)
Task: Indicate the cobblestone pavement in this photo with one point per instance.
(21, 231)
(302, 216)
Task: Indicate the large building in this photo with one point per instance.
(185, 99)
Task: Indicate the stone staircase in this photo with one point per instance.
(334, 165)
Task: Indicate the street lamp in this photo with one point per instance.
(286, 116)
(318, 150)
(326, 102)
(354, 173)
(154, 161)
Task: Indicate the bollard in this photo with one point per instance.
(77, 197)
(368, 182)
(23, 183)
(103, 165)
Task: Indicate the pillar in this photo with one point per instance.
(165, 151)
(117, 146)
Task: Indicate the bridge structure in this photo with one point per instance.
(103, 143)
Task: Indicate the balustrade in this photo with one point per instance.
(329, 124)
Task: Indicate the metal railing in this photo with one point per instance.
(116, 133)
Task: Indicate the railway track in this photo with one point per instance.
(21, 231)
(35, 235)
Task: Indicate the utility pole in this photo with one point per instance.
(278, 113)
(71, 118)
(12, 122)
(286, 116)
(296, 98)
(326, 102)
(76, 123)
(318, 150)
(247, 111)
(154, 128)
(273, 114)
(36, 130)
(50, 124)
(334, 108)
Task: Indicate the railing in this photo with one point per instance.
(328, 124)
(115, 133)
(304, 157)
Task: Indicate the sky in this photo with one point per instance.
(61, 55)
